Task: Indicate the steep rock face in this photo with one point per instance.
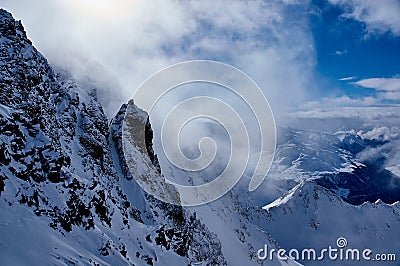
(59, 174)
(181, 230)
(68, 197)
(232, 219)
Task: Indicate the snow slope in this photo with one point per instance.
(311, 216)
(64, 199)
(67, 196)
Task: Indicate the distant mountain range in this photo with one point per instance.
(67, 197)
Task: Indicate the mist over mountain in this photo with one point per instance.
(68, 198)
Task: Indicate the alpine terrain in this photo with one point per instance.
(68, 198)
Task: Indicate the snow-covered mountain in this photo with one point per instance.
(67, 196)
(310, 216)
(333, 161)
(64, 196)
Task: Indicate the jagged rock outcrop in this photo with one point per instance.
(60, 159)
(68, 196)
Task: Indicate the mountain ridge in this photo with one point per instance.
(67, 196)
(56, 159)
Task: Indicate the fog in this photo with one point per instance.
(120, 45)
(117, 45)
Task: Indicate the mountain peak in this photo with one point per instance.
(10, 28)
(5, 15)
(60, 172)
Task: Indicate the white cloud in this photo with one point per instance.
(389, 95)
(339, 52)
(381, 133)
(379, 16)
(347, 78)
(346, 118)
(389, 152)
(342, 101)
(131, 40)
(380, 84)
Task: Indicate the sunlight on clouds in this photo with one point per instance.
(131, 40)
(96, 7)
(104, 9)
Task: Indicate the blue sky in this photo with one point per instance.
(345, 49)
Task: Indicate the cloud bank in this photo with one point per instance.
(130, 40)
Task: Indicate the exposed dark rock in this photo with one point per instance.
(57, 150)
